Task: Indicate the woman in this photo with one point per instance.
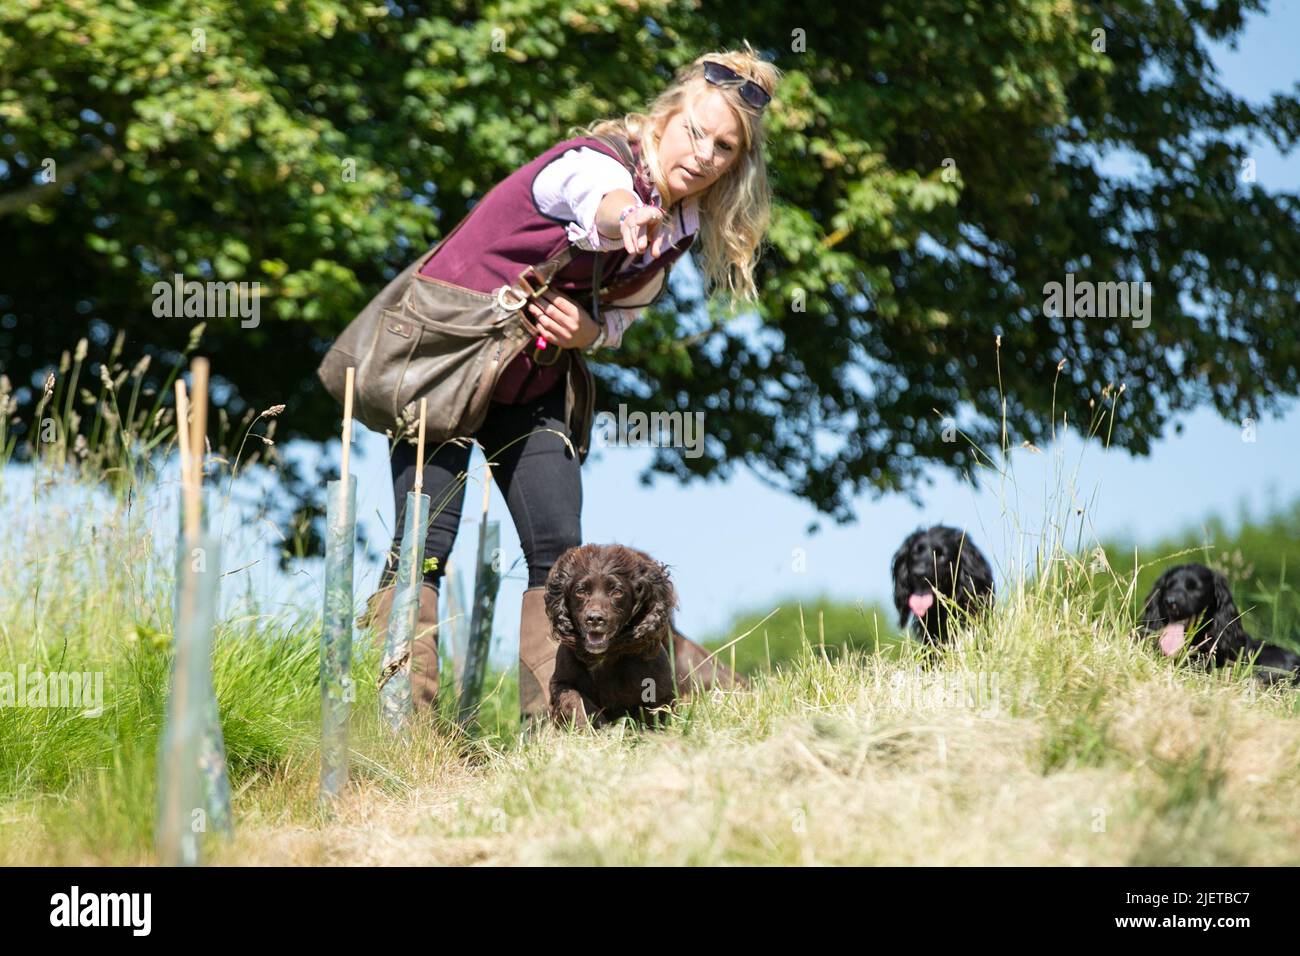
(697, 169)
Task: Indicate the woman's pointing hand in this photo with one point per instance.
(642, 226)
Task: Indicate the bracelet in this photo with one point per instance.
(598, 342)
(595, 226)
(630, 207)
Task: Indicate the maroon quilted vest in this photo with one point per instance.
(506, 232)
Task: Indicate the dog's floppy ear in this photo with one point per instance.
(975, 575)
(897, 569)
(558, 582)
(1153, 618)
(1226, 626)
(656, 597)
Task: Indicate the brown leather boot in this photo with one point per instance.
(536, 657)
(375, 617)
(423, 661)
(698, 669)
(424, 653)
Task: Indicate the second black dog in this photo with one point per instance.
(939, 560)
(1192, 603)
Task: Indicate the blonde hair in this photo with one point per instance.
(735, 210)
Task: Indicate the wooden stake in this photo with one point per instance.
(198, 435)
(183, 428)
(347, 421)
(483, 603)
(189, 510)
(419, 451)
(418, 572)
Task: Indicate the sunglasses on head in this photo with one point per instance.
(750, 92)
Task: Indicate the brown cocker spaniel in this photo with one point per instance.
(611, 610)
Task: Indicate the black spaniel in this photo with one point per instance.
(939, 560)
(1191, 606)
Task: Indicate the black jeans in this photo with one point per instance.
(538, 474)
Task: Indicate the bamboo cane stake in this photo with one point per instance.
(347, 419)
(395, 666)
(183, 442)
(486, 584)
(178, 785)
(198, 442)
(212, 747)
(417, 572)
(419, 450)
(193, 784)
(336, 626)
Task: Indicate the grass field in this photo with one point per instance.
(1047, 735)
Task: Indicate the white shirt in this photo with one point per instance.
(571, 187)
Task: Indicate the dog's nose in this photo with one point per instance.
(595, 619)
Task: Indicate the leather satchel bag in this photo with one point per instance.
(427, 338)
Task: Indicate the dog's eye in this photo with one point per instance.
(616, 590)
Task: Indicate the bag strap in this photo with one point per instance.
(619, 145)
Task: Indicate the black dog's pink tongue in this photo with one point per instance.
(920, 603)
(1172, 638)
